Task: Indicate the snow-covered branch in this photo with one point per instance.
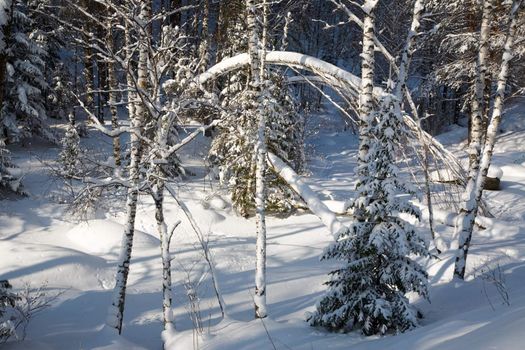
(311, 199)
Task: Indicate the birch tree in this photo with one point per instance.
(366, 93)
(116, 311)
(474, 190)
(261, 166)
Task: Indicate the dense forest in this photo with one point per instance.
(189, 126)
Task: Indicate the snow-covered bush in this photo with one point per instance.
(17, 309)
(8, 300)
(368, 291)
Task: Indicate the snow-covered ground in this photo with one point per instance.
(41, 246)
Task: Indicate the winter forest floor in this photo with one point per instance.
(41, 245)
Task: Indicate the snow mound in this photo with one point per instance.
(105, 236)
(495, 172)
(218, 203)
(335, 205)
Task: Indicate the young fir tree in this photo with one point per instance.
(68, 157)
(368, 291)
(232, 150)
(23, 111)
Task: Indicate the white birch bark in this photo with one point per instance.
(287, 21)
(474, 192)
(129, 78)
(366, 93)
(406, 54)
(165, 240)
(476, 118)
(116, 311)
(260, 170)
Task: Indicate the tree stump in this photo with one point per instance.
(493, 180)
(492, 184)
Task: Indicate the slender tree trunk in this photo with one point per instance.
(205, 43)
(474, 192)
(158, 187)
(286, 29)
(406, 54)
(261, 166)
(165, 240)
(366, 98)
(129, 78)
(113, 86)
(477, 108)
(119, 295)
(88, 78)
(400, 87)
(116, 312)
(103, 84)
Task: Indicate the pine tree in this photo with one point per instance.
(368, 291)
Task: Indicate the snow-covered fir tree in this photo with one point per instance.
(23, 111)
(368, 291)
(8, 176)
(58, 62)
(232, 150)
(69, 156)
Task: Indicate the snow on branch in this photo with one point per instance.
(170, 151)
(307, 194)
(323, 69)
